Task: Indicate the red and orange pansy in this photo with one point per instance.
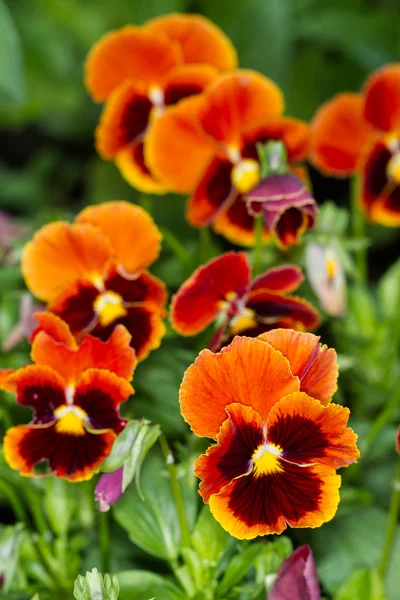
(207, 146)
(75, 392)
(266, 402)
(360, 133)
(222, 290)
(93, 273)
(140, 71)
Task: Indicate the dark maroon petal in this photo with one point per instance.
(214, 193)
(75, 307)
(279, 279)
(174, 91)
(109, 489)
(135, 119)
(275, 306)
(297, 578)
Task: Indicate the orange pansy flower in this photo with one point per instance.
(75, 392)
(266, 402)
(360, 133)
(93, 273)
(222, 289)
(207, 147)
(142, 70)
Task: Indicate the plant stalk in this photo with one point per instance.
(392, 522)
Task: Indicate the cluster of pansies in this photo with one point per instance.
(180, 116)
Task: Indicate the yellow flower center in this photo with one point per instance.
(229, 298)
(244, 320)
(331, 267)
(266, 459)
(393, 168)
(70, 420)
(109, 307)
(245, 175)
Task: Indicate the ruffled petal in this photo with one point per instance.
(313, 363)
(199, 39)
(286, 278)
(132, 233)
(130, 53)
(248, 371)
(293, 133)
(134, 169)
(270, 307)
(143, 289)
(382, 98)
(55, 328)
(198, 301)
(339, 133)
(60, 254)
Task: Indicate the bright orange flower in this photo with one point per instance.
(222, 289)
(361, 133)
(266, 402)
(207, 147)
(75, 393)
(93, 273)
(141, 71)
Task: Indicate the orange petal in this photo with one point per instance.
(296, 496)
(309, 433)
(124, 119)
(313, 363)
(199, 39)
(134, 237)
(55, 328)
(237, 100)
(339, 133)
(382, 98)
(61, 253)
(129, 53)
(246, 371)
(176, 150)
(133, 168)
(5, 384)
(185, 81)
(293, 133)
(115, 355)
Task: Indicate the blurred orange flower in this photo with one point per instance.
(142, 70)
(93, 273)
(360, 133)
(75, 393)
(206, 146)
(222, 290)
(266, 402)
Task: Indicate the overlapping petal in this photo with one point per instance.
(285, 278)
(382, 99)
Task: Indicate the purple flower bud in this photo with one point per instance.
(109, 489)
(297, 578)
(287, 205)
(1, 580)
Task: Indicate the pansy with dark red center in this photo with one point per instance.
(222, 290)
(266, 402)
(92, 273)
(74, 392)
(360, 133)
(207, 147)
(139, 71)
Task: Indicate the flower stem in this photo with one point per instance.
(259, 229)
(382, 419)
(358, 229)
(104, 533)
(145, 202)
(176, 491)
(392, 522)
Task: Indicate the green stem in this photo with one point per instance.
(392, 522)
(259, 229)
(176, 491)
(104, 533)
(145, 202)
(15, 502)
(205, 244)
(358, 229)
(174, 244)
(35, 507)
(380, 422)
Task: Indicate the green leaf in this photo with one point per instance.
(130, 449)
(12, 83)
(238, 567)
(362, 585)
(142, 585)
(95, 586)
(389, 292)
(208, 538)
(59, 502)
(10, 541)
(152, 523)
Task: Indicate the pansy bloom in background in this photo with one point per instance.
(266, 402)
(93, 273)
(75, 392)
(207, 147)
(327, 279)
(222, 290)
(139, 71)
(359, 133)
